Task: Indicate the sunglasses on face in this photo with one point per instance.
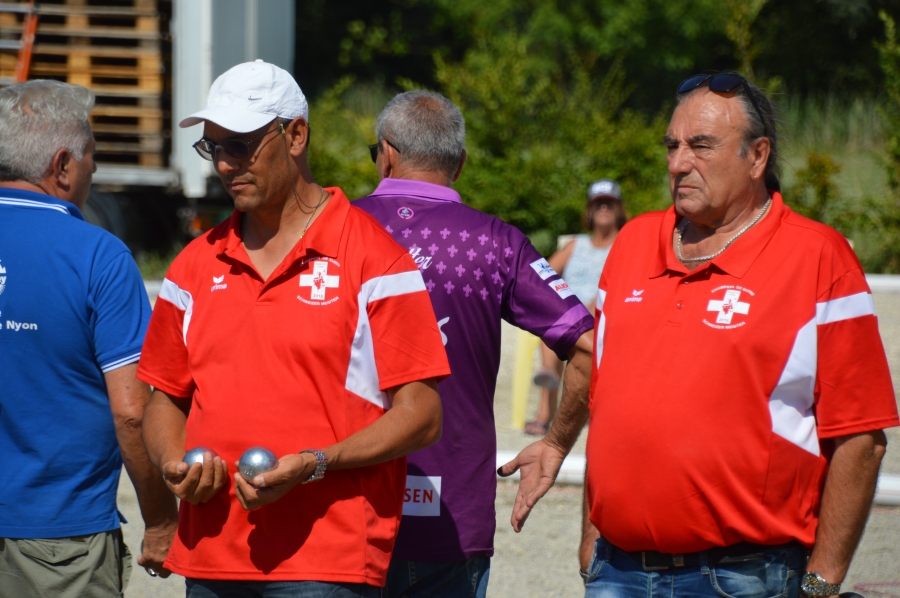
(373, 149)
(723, 84)
(235, 148)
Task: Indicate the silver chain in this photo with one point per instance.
(706, 258)
(313, 213)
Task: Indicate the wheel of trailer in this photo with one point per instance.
(105, 210)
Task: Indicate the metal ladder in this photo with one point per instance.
(25, 45)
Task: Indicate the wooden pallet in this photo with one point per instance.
(114, 48)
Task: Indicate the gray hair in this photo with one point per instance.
(757, 127)
(426, 128)
(37, 119)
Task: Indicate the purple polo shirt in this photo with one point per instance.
(478, 270)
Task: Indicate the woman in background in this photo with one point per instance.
(580, 262)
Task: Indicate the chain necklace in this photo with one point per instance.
(706, 258)
(315, 207)
(300, 203)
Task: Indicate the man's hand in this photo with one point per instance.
(154, 548)
(272, 485)
(197, 483)
(539, 464)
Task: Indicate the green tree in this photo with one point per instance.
(538, 131)
(815, 190)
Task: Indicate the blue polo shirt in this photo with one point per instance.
(72, 307)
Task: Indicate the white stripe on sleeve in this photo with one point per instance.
(120, 362)
(181, 299)
(845, 308)
(392, 285)
(601, 327)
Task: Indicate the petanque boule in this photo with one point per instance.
(255, 461)
(195, 455)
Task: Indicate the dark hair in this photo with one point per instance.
(587, 220)
(756, 128)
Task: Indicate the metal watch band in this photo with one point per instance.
(814, 584)
(321, 464)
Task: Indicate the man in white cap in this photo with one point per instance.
(301, 326)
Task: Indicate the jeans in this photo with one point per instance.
(219, 588)
(451, 579)
(614, 574)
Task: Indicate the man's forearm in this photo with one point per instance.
(164, 428)
(157, 504)
(128, 398)
(413, 422)
(573, 408)
(846, 501)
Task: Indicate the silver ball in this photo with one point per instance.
(255, 461)
(195, 455)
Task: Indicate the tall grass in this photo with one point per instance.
(831, 123)
(834, 161)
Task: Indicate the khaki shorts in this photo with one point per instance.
(93, 566)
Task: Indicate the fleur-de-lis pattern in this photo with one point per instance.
(482, 272)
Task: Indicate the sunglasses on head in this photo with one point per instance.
(373, 149)
(235, 148)
(723, 84)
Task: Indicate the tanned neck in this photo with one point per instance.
(426, 176)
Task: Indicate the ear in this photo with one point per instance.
(389, 160)
(59, 171)
(297, 132)
(462, 162)
(759, 156)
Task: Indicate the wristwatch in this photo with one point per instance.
(321, 464)
(814, 584)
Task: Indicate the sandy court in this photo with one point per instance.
(542, 560)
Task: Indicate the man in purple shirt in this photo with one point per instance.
(478, 270)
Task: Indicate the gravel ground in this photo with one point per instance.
(542, 560)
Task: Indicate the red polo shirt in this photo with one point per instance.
(714, 387)
(300, 360)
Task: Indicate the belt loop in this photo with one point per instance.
(678, 560)
(704, 562)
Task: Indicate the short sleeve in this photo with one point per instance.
(539, 300)
(854, 392)
(405, 336)
(120, 312)
(164, 363)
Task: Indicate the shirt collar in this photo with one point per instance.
(323, 237)
(735, 260)
(417, 189)
(38, 200)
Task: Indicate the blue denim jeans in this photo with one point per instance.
(453, 579)
(614, 574)
(220, 588)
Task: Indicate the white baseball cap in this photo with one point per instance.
(249, 96)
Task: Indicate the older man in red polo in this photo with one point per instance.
(740, 386)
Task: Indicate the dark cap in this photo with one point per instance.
(604, 188)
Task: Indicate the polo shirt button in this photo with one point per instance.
(679, 305)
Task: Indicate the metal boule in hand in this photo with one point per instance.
(195, 455)
(255, 461)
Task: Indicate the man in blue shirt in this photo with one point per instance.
(73, 313)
